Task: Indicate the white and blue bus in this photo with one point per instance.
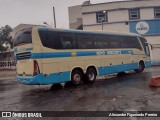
(49, 56)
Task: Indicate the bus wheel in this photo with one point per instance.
(140, 68)
(91, 75)
(76, 77)
(120, 74)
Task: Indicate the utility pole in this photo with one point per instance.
(102, 23)
(54, 16)
(103, 19)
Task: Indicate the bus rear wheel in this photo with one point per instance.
(76, 77)
(91, 75)
(140, 67)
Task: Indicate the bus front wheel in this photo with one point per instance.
(76, 77)
(140, 67)
(91, 75)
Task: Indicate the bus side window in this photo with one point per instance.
(115, 41)
(66, 42)
(101, 42)
(130, 42)
(136, 43)
(85, 41)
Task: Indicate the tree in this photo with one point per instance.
(5, 37)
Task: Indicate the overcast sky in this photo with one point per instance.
(14, 12)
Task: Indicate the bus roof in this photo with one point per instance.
(89, 31)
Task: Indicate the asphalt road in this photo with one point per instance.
(128, 92)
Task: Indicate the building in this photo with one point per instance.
(137, 16)
(75, 17)
(20, 27)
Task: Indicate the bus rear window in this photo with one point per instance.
(23, 37)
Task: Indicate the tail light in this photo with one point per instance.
(36, 68)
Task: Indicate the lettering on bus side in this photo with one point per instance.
(130, 52)
(100, 53)
(113, 52)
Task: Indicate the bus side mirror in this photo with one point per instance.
(149, 45)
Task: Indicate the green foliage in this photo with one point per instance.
(5, 37)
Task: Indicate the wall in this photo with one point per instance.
(109, 27)
(119, 5)
(7, 65)
(118, 11)
(116, 16)
(75, 16)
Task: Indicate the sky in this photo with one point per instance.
(15, 12)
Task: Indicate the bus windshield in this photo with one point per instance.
(23, 37)
(145, 46)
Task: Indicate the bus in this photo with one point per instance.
(48, 56)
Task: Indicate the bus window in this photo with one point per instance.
(101, 42)
(23, 37)
(130, 42)
(56, 40)
(85, 41)
(66, 42)
(114, 41)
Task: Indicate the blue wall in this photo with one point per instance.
(154, 26)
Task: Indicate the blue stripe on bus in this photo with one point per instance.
(89, 53)
(25, 49)
(50, 55)
(43, 29)
(40, 79)
(84, 53)
(53, 78)
(117, 68)
(28, 49)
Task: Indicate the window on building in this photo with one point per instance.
(134, 14)
(102, 16)
(157, 12)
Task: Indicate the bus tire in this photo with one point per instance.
(120, 74)
(91, 75)
(76, 77)
(141, 67)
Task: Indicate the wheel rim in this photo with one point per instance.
(77, 78)
(91, 76)
(140, 67)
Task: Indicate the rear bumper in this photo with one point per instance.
(40, 79)
(30, 80)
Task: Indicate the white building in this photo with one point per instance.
(137, 16)
(20, 27)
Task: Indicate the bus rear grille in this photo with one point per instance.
(22, 56)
